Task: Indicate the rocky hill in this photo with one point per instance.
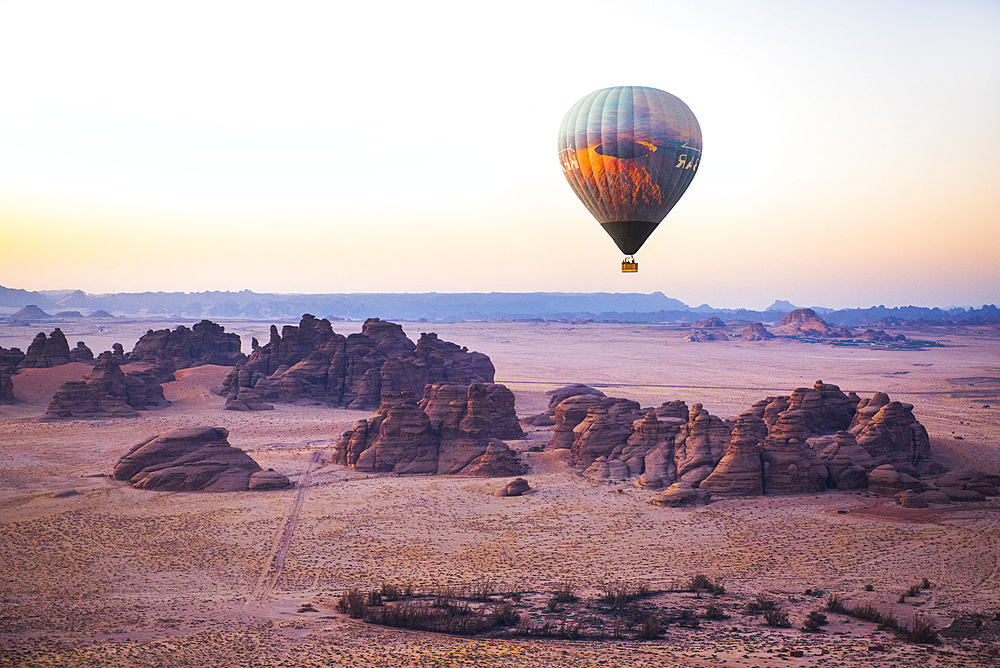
(312, 364)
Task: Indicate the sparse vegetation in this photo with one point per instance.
(651, 628)
(483, 590)
(814, 622)
(835, 604)
(307, 607)
(700, 583)
(391, 592)
(566, 592)
(619, 594)
(374, 598)
(712, 611)
(761, 604)
(777, 618)
(869, 587)
(352, 603)
(922, 632)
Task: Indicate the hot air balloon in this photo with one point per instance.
(629, 153)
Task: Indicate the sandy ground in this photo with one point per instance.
(95, 573)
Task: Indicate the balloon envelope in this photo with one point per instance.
(629, 153)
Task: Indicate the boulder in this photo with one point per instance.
(515, 487)
(681, 494)
(704, 336)
(969, 479)
(885, 480)
(561, 394)
(193, 459)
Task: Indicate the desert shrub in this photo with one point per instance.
(391, 592)
(814, 622)
(925, 584)
(651, 628)
(761, 604)
(619, 594)
(775, 617)
(712, 611)
(444, 595)
(923, 631)
(307, 607)
(912, 591)
(685, 618)
(483, 590)
(552, 605)
(503, 614)
(374, 598)
(869, 587)
(352, 603)
(870, 613)
(700, 583)
(565, 592)
(835, 604)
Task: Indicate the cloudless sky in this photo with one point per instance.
(851, 148)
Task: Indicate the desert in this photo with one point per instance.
(99, 573)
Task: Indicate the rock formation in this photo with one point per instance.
(45, 352)
(713, 322)
(571, 412)
(29, 313)
(194, 459)
(755, 332)
(455, 429)
(603, 432)
(805, 322)
(704, 336)
(105, 392)
(700, 445)
(847, 462)
(885, 480)
(10, 359)
(892, 435)
(311, 364)
(790, 466)
(167, 351)
(81, 353)
(6, 387)
(515, 487)
(681, 494)
(739, 472)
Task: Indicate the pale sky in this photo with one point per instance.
(851, 148)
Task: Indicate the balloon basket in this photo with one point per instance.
(630, 266)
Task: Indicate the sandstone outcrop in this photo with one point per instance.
(6, 387)
(106, 392)
(81, 353)
(46, 352)
(194, 459)
(755, 332)
(311, 364)
(805, 322)
(10, 359)
(603, 432)
(847, 462)
(569, 413)
(739, 472)
(704, 336)
(790, 466)
(167, 351)
(700, 445)
(455, 429)
(713, 322)
(893, 436)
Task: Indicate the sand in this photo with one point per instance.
(93, 572)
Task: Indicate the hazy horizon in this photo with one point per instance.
(851, 149)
